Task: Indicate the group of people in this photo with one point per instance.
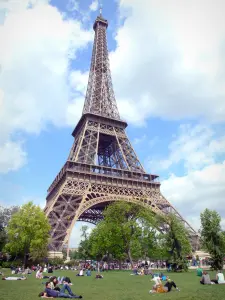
(61, 287)
(53, 290)
(206, 278)
(158, 287)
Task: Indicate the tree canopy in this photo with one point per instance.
(177, 241)
(212, 237)
(129, 231)
(84, 247)
(28, 232)
(5, 215)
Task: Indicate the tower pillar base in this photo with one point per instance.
(55, 254)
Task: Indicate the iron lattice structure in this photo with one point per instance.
(102, 166)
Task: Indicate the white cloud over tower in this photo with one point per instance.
(36, 47)
(169, 61)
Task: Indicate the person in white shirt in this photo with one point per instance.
(81, 273)
(157, 281)
(39, 274)
(220, 277)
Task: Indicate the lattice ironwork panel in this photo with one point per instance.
(61, 218)
(100, 97)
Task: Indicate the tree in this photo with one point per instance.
(5, 216)
(28, 232)
(74, 255)
(84, 246)
(103, 243)
(121, 231)
(212, 237)
(177, 242)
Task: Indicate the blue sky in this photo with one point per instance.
(168, 71)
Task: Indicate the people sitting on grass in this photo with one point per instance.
(14, 278)
(88, 272)
(148, 272)
(39, 274)
(219, 278)
(54, 283)
(159, 288)
(81, 273)
(50, 270)
(51, 293)
(169, 284)
(62, 280)
(205, 278)
(157, 281)
(199, 271)
(45, 269)
(135, 271)
(27, 271)
(141, 272)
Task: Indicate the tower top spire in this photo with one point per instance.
(100, 10)
(100, 99)
(100, 19)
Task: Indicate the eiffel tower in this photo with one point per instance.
(102, 166)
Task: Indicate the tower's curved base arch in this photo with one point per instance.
(85, 201)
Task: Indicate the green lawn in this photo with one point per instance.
(116, 285)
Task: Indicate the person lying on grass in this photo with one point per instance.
(159, 288)
(14, 278)
(50, 293)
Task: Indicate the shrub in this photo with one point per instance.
(56, 261)
(72, 263)
(6, 264)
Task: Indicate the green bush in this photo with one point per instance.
(72, 263)
(6, 264)
(56, 261)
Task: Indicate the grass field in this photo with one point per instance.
(116, 285)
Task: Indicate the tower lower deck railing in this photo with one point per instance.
(102, 170)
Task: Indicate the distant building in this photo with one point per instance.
(74, 249)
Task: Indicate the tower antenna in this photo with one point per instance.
(100, 9)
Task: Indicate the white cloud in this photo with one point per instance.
(94, 5)
(139, 140)
(75, 237)
(197, 190)
(78, 81)
(73, 5)
(194, 146)
(74, 110)
(169, 60)
(36, 47)
(12, 156)
(200, 151)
